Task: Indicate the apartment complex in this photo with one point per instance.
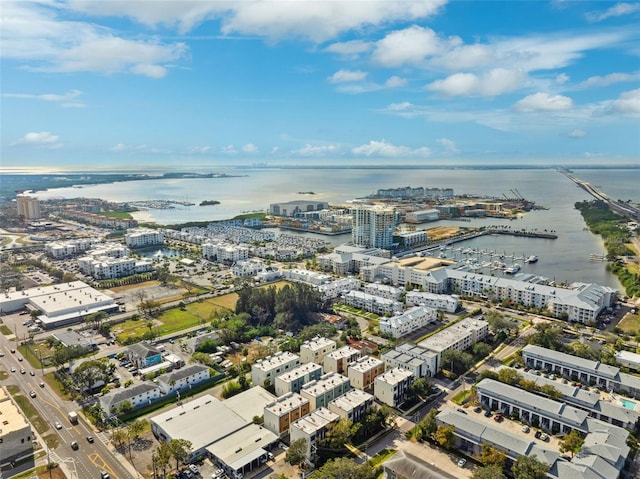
(266, 370)
(373, 226)
(392, 387)
(363, 372)
(312, 427)
(225, 253)
(384, 291)
(143, 237)
(324, 390)
(285, 410)
(314, 350)
(338, 287)
(15, 433)
(352, 405)
(372, 303)
(337, 361)
(292, 381)
(408, 322)
(420, 361)
(28, 207)
(441, 302)
(312, 277)
(65, 249)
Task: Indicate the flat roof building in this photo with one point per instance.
(293, 381)
(279, 414)
(269, 368)
(314, 350)
(392, 387)
(15, 433)
(324, 390)
(420, 361)
(406, 323)
(312, 427)
(337, 361)
(352, 404)
(363, 372)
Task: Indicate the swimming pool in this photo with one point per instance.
(628, 404)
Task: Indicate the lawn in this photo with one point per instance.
(630, 324)
(28, 410)
(227, 301)
(121, 215)
(4, 329)
(461, 396)
(146, 284)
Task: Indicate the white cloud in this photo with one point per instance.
(33, 34)
(119, 147)
(627, 104)
(405, 105)
(409, 46)
(448, 145)
(229, 150)
(606, 80)
(350, 50)
(465, 56)
(491, 83)
(42, 139)
(388, 150)
(312, 150)
(544, 102)
(618, 10)
(65, 100)
(342, 76)
(395, 82)
(577, 133)
(249, 148)
(562, 78)
(199, 150)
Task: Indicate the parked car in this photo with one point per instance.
(104, 475)
(462, 462)
(525, 428)
(461, 410)
(544, 437)
(538, 434)
(487, 413)
(193, 468)
(477, 409)
(498, 417)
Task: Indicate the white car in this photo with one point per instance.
(462, 462)
(193, 468)
(58, 425)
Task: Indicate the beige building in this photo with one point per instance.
(15, 431)
(352, 404)
(279, 414)
(392, 387)
(338, 360)
(272, 366)
(324, 390)
(314, 350)
(363, 372)
(28, 207)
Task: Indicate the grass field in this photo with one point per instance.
(4, 329)
(630, 324)
(121, 215)
(27, 408)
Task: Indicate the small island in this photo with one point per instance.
(306, 193)
(209, 202)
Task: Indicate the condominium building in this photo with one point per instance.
(65, 249)
(314, 350)
(105, 267)
(373, 226)
(352, 405)
(266, 370)
(143, 237)
(324, 390)
(136, 396)
(225, 253)
(441, 302)
(338, 360)
(408, 322)
(183, 378)
(363, 372)
(292, 208)
(28, 207)
(420, 361)
(371, 303)
(15, 433)
(312, 427)
(384, 291)
(459, 336)
(422, 216)
(392, 387)
(279, 414)
(312, 277)
(292, 381)
(334, 289)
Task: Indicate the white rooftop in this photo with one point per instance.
(271, 362)
(315, 421)
(394, 376)
(365, 363)
(285, 404)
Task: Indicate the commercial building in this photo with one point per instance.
(324, 390)
(292, 208)
(143, 355)
(407, 239)
(371, 303)
(442, 302)
(338, 360)
(582, 370)
(279, 414)
(292, 381)
(352, 405)
(183, 378)
(392, 387)
(143, 237)
(60, 304)
(373, 226)
(28, 207)
(312, 427)
(266, 370)
(15, 433)
(408, 322)
(422, 216)
(459, 336)
(628, 359)
(420, 361)
(314, 350)
(363, 372)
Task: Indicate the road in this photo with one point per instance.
(89, 459)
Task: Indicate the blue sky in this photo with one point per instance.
(114, 84)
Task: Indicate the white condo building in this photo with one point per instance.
(311, 277)
(337, 361)
(373, 226)
(294, 380)
(312, 427)
(392, 387)
(272, 366)
(384, 291)
(408, 322)
(420, 361)
(371, 303)
(225, 253)
(314, 350)
(143, 237)
(441, 302)
(352, 405)
(334, 289)
(64, 249)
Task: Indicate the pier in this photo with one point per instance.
(524, 233)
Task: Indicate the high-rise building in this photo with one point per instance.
(373, 226)
(28, 207)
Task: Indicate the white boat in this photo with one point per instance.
(532, 259)
(512, 269)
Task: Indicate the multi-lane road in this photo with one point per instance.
(90, 458)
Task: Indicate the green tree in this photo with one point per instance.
(491, 456)
(551, 391)
(459, 361)
(163, 457)
(338, 434)
(529, 467)
(481, 349)
(137, 427)
(547, 335)
(428, 425)
(89, 373)
(492, 471)
(180, 450)
(419, 388)
(572, 442)
(445, 436)
(497, 322)
(344, 468)
(509, 376)
(297, 452)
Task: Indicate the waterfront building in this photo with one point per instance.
(373, 226)
(407, 239)
(225, 253)
(371, 303)
(442, 302)
(325, 389)
(312, 427)
(420, 361)
(28, 207)
(363, 372)
(337, 361)
(314, 350)
(15, 433)
(583, 370)
(143, 237)
(408, 322)
(392, 387)
(266, 370)
(294, 380)
(279, 414)
(459, 336)
(347, 259)
(352, 405)
(422, 216)
(292, 208)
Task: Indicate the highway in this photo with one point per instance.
(624, 209)
(90, 458)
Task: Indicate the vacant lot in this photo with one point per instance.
(442, 232)
(630, 324)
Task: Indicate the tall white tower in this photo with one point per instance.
(373, 226)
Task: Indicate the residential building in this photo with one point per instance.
(312, 277)
(143, 237)
(406, 323)
(312, 427)
(15, 433)
(352, 404)
(225, 253)
(292, 381)
(459, 336)
(334, 289)
(337, 361)
(384, 291)
(442, 302)
(183, 378)
(265, 371)
(279, 415)
(292, 208)
(408, 239)
(405, 465)
(105, 267)
(65, 249)
(627, 359)
(143, 355)
(373, 226)
(250, 267)
(363, 372)
(392, 387)
(420, 361)
(135, 396)
(324, 390)
(371, 303)
(28, 207)
(314, 350)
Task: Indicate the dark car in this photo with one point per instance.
(487, 413)
(90, 439)
(538, 434)
(74, 446)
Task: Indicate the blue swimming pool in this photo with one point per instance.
(628, 404)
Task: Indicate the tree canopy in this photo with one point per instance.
(344, 468)
(297, 452)
(492, 471)
(529, 467)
